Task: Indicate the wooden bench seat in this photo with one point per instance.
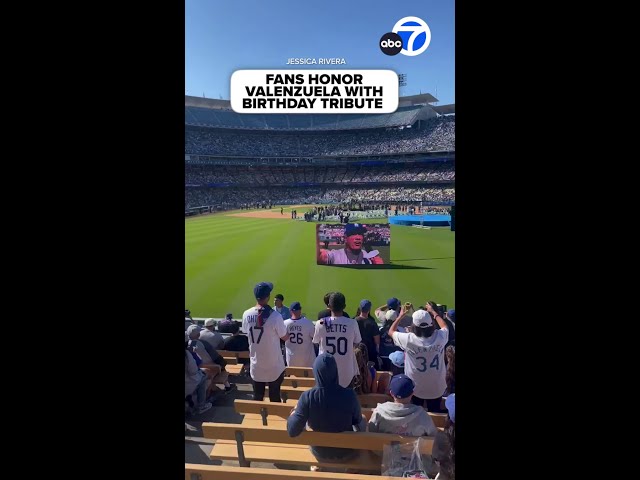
(367, 400)
(288, 454)
(288, 393)
(274, 445)
(306, 372)
(298, 382)
(272, 412)
(232, 357)
(229, 353)
(234, 369)
(303, 372)
(219, 472)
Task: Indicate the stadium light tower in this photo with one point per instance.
(402, 81)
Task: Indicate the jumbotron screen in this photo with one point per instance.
(353, 244)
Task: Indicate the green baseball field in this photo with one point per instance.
(227, 254)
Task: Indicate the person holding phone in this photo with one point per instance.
(424, 355)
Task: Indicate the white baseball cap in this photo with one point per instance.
(421, 318)
(209, 322)
(391, 315)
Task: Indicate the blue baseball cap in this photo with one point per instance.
(401, 386)
(397, 358)
(263, 289)
(393, 303)
(354, 229)
(365, 305)
(452, 315)
(450, 403)
(295, 306)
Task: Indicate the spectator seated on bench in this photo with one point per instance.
(401, 416)
(212, 363)
(210, 336)
(236, 342)
(327, 407)
(195, 382)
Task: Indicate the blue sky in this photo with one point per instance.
(224, 36)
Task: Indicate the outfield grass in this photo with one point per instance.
(226, 256)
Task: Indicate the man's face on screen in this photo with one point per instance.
(354, 242)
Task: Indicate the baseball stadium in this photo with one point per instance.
(245, 175)
(319, 240)
(269, 200)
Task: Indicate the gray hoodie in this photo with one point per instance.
(411, 420)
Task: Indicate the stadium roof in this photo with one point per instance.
(418, 99)
(445, 109)
(190, 101)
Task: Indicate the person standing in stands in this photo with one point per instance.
(393, 304)
(369, 331)
(280, 307)
(327, 312)
(338, 336)
(424, 355)
(265, 328)
(299, 343)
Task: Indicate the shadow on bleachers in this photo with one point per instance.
(199, 453)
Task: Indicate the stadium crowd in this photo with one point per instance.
(235, 197)
(412, 348)
(436, 134)
(229, 174)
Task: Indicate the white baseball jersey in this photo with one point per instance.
(299, 345)
(338, 339)
(264, 345)
(424, 362)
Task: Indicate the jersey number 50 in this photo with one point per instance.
(341, 345)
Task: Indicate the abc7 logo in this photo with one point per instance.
(391, 43)
(417, 41)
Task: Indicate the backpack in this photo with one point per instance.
(364, 380)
